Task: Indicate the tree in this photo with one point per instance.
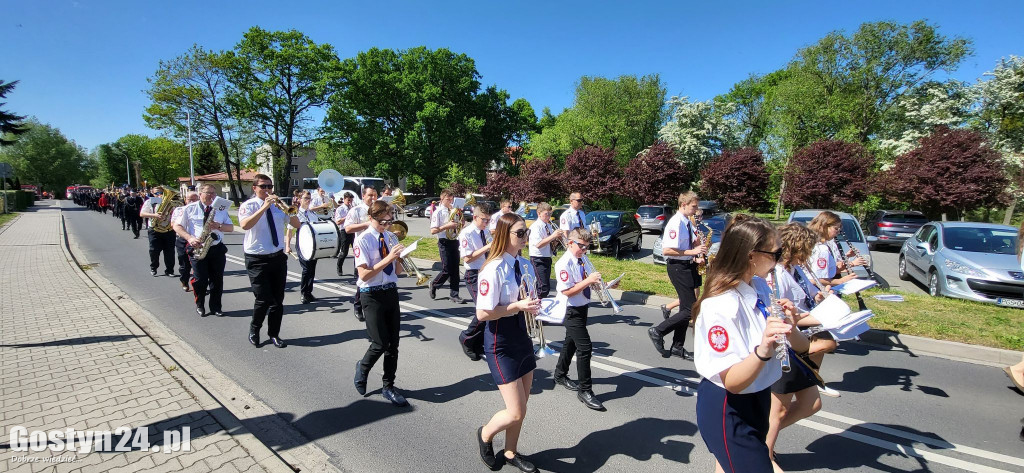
(45, 157)
(539, 181)
(592, 171)
(1001, 117)
(917, 113)
(161, 160)
(699, 131)
(500, 185)
(332, 156)
(953, 170)
(417, 111)
(827, 174)
(737, 179)
(278, 79)
(621, 114)
(457, 180)
(10, 124)
(196, 84)
(656, 176)
(206, 158)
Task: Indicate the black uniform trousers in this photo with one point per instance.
(267, 274)
(346, 243)
(184, 260)
(208, 276)
(449, 250)
(577, 342)
(161, 243)
(134, 220)
(308, 274)
(473, 336)
(542, 266)
(684, 278)
(383, 318)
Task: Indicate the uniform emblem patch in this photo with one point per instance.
(718, 338)
(356, 251)
(465, 243)
(563, 275)
(485, 287)
(822, 264)
(671, 234)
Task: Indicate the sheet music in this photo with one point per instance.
(409, 249)
(552, 310)
(615, 281)
(854, 286)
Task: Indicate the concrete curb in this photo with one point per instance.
(212, 389)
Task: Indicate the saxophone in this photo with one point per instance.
(207, 238)
(705, 239)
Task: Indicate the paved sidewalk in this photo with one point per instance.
(68, 361)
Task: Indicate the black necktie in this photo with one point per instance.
(384, 253)
(583, 274)
(519, 273)
(206, 213)
(579, 215)
(483, 241)
(273, 227)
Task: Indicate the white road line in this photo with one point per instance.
(681, 383)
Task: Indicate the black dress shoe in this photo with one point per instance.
(216, 313)
(520, 462)
(278, 342)
(306, 300)
(665, 313)
(396, 398)
(359, 316)
(567, 383)
(168, 274)
(457, 300)
(433, 293)
(590, 400)
(487, 451)
(472, 354)
(681, 353)
(360, 379)
(184, 287)
(659, 342)
(254, 338)
(153, 272)
(201, 311)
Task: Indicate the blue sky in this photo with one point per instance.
(83, 64)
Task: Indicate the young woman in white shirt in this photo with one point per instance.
(826, 259)
(734, 349)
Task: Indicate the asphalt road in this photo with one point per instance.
(899, 411)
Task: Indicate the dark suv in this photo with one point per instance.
(893, 227)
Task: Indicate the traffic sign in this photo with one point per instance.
(6, 170)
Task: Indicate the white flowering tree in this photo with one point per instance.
(917, 113)
(1001, 116)
(699, 131)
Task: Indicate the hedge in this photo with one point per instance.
(22, 199)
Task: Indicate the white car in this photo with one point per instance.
(850, 234)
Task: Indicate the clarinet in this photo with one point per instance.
(860, 300)
(781, 346)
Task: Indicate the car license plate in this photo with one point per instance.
(904, 235)
(1010, 302)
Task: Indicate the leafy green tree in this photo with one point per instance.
(10, 124)
(699, 131)
(206, 158)
(922, 109)
(161, 160)
(622, 114)
(332, 156)
(278, 79)
(1001, 118)
(43, 156)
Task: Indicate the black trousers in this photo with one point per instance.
(577, 342)
(267, 274)
(308, 274)
(208, 276)
(161, 243)
(542, 266)
(684, 278)
(184, 260)
(134, 221)
(449, 250)
(473, 336)
(383, 319)
(346, 243)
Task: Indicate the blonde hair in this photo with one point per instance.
(580, 234)
(797, 243)
(733, 260)
(543, 207)
(687, 197)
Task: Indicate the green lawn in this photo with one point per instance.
(4, 218)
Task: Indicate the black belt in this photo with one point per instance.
(266, 256)
(680, 261)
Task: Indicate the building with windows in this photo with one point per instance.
(299, 170)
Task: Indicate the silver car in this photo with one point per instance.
(850, 233)
(966, 260)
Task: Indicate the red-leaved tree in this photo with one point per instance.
(827, 174)
(592, 171)
(539, 181)
(656, 175)
(499, 186)
(952, 170)
(737, 179)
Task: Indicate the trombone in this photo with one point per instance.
(534, 327)
(397, 232)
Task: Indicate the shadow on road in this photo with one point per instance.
(648, 437)
(866, 378)
(73, 341)
(836, 452)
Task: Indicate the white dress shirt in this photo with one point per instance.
(823, 261)
(440, 217)
(257, 239)
(341, 212)
(367, 251)
(357, 215)
(571, 219)
(494, 220)
(191, 219)
(678, 234)
(496, 283)
(539, 231)
(568, 273)
(469, 242)
(149, 206)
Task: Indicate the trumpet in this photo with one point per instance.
(397, 232)
(781, 346)
(534, 327)
(289, 210)
(603, 294)
(560, 243)
(595, 230)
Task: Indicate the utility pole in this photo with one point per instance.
(191, 165)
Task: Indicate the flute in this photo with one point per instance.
(781, 346)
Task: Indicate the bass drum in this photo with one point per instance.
(318, 240)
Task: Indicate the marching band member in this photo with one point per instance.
(573, 217)
(159, 242)
(132, 207)
(508, 345)
(448, 248)
(346, 238)
(734, 350)
(826, 258)
(541, 238)
(573, 286)
(265, 260)
(316, 200)
(357, 220)
(207, 273)
(680, 247)
(506, 207)
(305, 215)
(378, 291)
(181, 243)
(473, 247)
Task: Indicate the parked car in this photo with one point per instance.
(467, 211)
(966, 260)
(653, 217)
(717, 223)
(893, 227)
(850, 232)
(619, 231)
(708, 207)
(419, 208)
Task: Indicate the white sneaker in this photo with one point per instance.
(829, 391)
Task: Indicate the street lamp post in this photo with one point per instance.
(128, 171)
(191, 164)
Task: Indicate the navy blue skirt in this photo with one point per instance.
(509, 349)
(734, 427)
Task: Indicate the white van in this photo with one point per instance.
(353, 185)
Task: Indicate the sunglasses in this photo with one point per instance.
(521, 233)
(582, 246)
(576, 200)
(484, 219)
(385, 222)
(777, 254)
(265, 186)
